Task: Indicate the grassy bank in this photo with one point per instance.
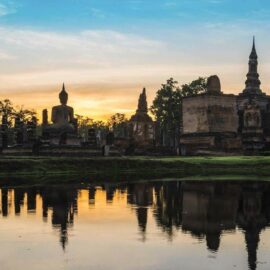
(145, 166)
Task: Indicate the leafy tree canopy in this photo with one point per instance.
(10, 112)
(117, 120)
(194, 88)
(167, 103)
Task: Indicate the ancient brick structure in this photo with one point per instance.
(254, 109)
(210, 120)
(141, 125)
(222, 122)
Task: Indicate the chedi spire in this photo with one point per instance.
(253, 83)
(142, 104)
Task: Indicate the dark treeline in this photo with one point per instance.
(11, 113)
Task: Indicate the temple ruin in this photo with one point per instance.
(226, 122)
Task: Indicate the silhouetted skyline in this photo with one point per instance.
(106, 51)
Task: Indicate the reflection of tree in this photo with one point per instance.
(205, 210)
(168, 206)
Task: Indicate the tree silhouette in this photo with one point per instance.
(167, 107)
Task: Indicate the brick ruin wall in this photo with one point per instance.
(206, 113)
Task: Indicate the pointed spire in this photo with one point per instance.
(253, 54)
(144, 91)
(142, 109)
(253, 83)
(142, 104)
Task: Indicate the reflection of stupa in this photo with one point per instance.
(203, 210)
(141, 213)
(141, 196)
(252, 221)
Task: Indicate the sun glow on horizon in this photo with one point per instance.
(106, 53)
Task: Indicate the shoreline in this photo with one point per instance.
(41, 168)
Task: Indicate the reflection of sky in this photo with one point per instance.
(116, 47)
(105, 236)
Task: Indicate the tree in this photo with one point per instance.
(117, 120)
(100, 125)
(85, 123)
(167, 108)
(7, 109)
(118, 124)
(24, 115)
(194, 88)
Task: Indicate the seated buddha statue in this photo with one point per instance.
(62, 118)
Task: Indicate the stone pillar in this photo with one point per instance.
(4, 132)
(19, 131)
(45, 117)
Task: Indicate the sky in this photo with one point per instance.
(106, 51)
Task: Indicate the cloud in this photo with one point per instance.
(47, 57)
(111, 67)
(33, 57)
(97, 13)
(215, 1)
(5, 56)
(170, 4)
(7, 7)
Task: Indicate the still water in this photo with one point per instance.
(156, 225)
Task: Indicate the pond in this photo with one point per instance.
(162, 225)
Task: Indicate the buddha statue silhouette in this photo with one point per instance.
(62, 117)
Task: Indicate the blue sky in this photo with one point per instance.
(123, 14)
(107, 50)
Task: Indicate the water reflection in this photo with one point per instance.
(204, 210)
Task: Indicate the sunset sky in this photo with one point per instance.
(106, 51)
